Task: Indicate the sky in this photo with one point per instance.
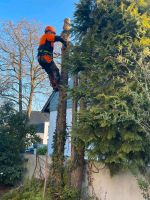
(46, 12)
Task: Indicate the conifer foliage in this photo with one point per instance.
(113, 52)
(15, 135)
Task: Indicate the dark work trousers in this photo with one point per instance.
(50, 67)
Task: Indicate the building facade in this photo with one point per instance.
(51, 108)
(41, 123)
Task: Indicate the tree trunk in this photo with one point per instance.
(20, 81)
(29, 108)
(20, 95)
(77, 152)
(60, 134)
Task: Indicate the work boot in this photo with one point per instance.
(53, 83)
(56, 76)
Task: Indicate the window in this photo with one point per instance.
(40, 128)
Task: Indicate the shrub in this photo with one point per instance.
(30, 190)
(15, 134)
(42, 150)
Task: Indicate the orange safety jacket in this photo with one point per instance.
(46, 45)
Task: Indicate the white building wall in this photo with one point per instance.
(52, 127)
(69, 125)
(45, 136)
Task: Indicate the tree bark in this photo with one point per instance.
(20, 80)
(60, 133)
(32, 83)
(29, 107)
(77, 151)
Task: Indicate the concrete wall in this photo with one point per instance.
(30, 162)
(105, 187)
(96, 182)
(35, 166)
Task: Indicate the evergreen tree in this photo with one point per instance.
(114, 53)
(15, 134)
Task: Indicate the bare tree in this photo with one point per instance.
(18, 63)
(5, 84)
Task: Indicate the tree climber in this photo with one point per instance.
(45, 55)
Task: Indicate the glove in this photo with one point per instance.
(64, 45)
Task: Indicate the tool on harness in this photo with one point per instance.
(43, 52)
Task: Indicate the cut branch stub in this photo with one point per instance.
(66, 30)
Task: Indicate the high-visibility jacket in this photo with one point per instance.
(46, 45)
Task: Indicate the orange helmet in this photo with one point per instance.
(51, 29)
